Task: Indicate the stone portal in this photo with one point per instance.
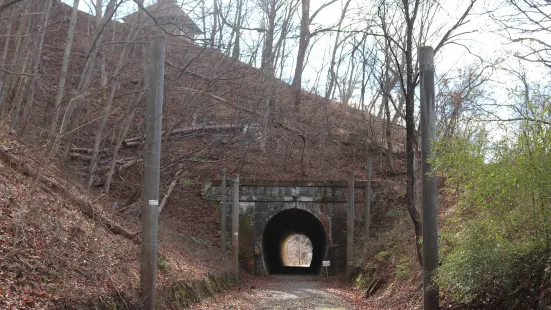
(271, 211)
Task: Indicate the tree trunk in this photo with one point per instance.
(268, 51)
(267, 67)
(125, 124)
(132, 34)
(21, 85)
(36, 64)
(349, 88)
(303, 157)
(99, 133)
(171, 187)
(398, 113)
(410, 130)
(86, 76)
(65, 66)
(280, 45)
(266, 117)
(304, 40)
(99, 59)
(367, 211)
(12, 81)
(237, 30)
(214, 23)
(387, 87)
(416, 191)
(3, 75)
(124, 129)
(331, 76)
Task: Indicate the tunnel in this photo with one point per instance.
(277, 231)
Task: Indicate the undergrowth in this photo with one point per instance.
(390, 256)
(496, 247)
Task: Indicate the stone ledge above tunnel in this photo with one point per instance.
(290, 191)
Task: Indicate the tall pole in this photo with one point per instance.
(367, 211)
(223, 201)
(235, 227)
(152, 161)
(350, 228)
(430, 191)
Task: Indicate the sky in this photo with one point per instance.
(484, 44)
(330, 16)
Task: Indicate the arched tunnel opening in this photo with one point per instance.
(277, 233)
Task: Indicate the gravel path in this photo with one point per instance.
(286, 292)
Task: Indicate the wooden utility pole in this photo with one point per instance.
(223, 200)
(430, 191)
(367, 212)
(235, 227)
(350, 228)
(152, 161)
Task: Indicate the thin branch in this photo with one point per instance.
(7, 5)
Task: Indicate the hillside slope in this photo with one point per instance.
(50, 237)
(320, 140)
(57, 254)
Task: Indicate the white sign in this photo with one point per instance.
(326, 263)
(154, 202)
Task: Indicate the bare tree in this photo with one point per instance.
(115, 84)
(65, 66)
(386, 88)
(527, 22)
(304, 41)
(14, 79)
(83, 83)
(37, 60)
(417, 17)
(8, 4)
(237, 30)
(332, 76)
(459, 99)
(214, 29)
(236, 26)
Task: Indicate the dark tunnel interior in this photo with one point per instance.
(282, 225)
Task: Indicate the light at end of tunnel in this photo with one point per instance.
(296, 251)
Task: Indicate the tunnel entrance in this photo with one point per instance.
(277, 233)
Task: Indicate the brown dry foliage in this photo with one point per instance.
(73, 258)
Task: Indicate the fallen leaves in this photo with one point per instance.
(286, 292)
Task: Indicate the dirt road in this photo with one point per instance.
(287, 292)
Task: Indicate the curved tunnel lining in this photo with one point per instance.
(279, 228)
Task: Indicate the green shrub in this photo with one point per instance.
(498, 243)
(476, 266)
(488, 271)
(383, 255)
(403, 269)
(162, 262)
